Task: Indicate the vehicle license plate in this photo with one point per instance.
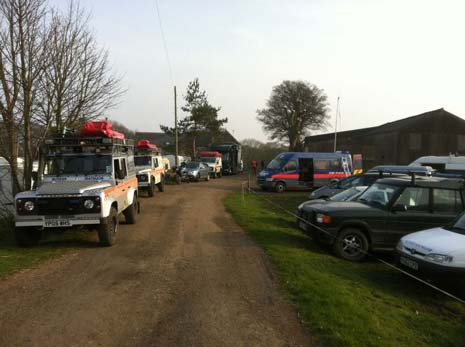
(409, 263)
(303, 225)
(56, 223)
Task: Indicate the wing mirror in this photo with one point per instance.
(399, 208)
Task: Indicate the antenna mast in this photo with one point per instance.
(335, 126)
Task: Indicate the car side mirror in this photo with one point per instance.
(399, 208)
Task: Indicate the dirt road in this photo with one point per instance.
(184, 275)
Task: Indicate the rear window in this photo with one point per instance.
(447, 201)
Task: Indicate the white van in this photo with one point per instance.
(448, 165)
(435, 253)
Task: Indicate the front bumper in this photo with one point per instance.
(144, 184)
(46, 222)
(427, 269)
(263, 182)
(323, 234)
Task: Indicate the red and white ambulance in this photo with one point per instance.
(150, 166)
(86, 179)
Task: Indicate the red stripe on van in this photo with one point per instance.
(296, 176)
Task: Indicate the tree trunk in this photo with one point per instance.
(13, 160)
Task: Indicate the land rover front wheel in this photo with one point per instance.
(351, 244)
(151, 188)
(280, 187)
(27, 236)
(161, 185)
(107, 231)
(130, 214)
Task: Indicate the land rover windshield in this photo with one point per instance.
(379, 195)
(142, 161)
(78, 165)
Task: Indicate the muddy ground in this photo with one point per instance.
(184, 275)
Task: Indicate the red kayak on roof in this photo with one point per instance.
(210, 154)
(100, 129)
(145, 144)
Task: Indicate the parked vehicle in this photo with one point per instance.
(404, 169)
(436, 253)
(451, 165)
(386, 211)
(150, 167)
(213, 160)
(231, 157)
(327, 191)
(86, 179)
(197, 170)
(303, 170)
(350, 194)
(181, 159)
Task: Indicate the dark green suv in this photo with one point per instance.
(386, 211)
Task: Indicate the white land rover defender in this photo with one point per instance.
(85, 179)
(150, 167)
(214, 162)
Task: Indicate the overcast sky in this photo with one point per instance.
(385, 59)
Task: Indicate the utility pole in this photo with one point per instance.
(176, 160)
(335, 127)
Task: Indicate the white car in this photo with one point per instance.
(435, 253)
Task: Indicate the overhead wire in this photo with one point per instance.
(165, 46)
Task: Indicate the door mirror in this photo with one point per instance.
(399, 208)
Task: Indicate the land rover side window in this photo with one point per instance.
(447, 201)
(155, 162)
(119, 171)
(124, 168)
(415, 198)
(290, 166)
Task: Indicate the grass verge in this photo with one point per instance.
(13, 258)
(344, 303)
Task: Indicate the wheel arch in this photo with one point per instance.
(363, 227)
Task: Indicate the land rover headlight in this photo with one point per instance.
(269, 179)
(29, 206)
(89, 204)
(439, 258)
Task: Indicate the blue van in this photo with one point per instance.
(304, 170)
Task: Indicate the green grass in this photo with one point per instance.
(343, 303)
(13, 258)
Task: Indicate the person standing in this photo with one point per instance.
(254, 166)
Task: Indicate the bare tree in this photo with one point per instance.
(293, 109)
(52, 75)
(22, 49)
(77, 84)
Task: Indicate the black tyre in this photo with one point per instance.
(280, 187)
(27, 236)
(107, 232)
(161, 185)
(351, 244)
(151, 188)
(130, 214)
